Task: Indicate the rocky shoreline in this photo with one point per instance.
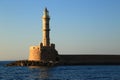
(32, 63)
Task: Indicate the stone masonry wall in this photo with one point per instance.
(34, 53)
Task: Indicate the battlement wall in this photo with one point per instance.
(34, 53)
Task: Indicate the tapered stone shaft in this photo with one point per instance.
(45, 28)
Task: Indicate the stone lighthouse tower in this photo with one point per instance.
(44, 52)
(45, 28)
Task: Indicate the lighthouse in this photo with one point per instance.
(46, 51)
(45, 28)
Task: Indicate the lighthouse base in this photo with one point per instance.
(43, 53)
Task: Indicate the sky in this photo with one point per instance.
(77, 26)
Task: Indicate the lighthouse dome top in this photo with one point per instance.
(46, 13)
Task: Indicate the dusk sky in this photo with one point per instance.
(77, 26)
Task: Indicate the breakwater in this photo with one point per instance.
(73, 60)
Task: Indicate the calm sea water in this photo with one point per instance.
(97, 72)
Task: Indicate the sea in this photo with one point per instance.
(79, 72)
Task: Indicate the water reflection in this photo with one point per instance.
(41, 72)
